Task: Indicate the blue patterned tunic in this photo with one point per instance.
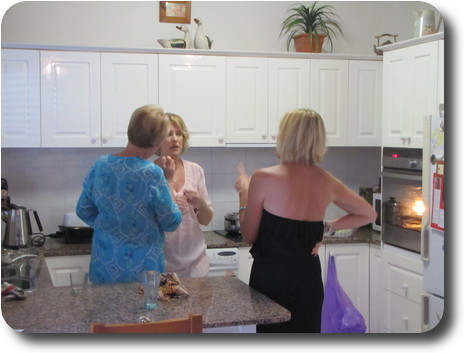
(128, 203)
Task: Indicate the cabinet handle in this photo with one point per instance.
(405, 287)
(94, 140)
(406, 322)
(221, 139)
(273, 136)
(263, 135)
(403, 140)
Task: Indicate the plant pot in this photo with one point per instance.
(304, 44)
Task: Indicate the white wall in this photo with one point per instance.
(50, 179)
(233, 25)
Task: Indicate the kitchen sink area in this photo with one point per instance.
(20, 270)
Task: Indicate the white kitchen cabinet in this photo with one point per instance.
(70, 99)
(61, 266)
(288, 89)
(20, 98)
(329, 97)
(128, 81)
(244, 264)
(402, 279)
(365, 103)
(441, 72)
(375, 289)
(410, 83)
(193, 87)
(247, 85)
(352, 263)
(259, 92)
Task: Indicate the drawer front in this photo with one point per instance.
(404, 283)
(403, 315)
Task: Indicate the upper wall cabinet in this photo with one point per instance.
(410, 81)
(329, 97)
(128, 81)
(247, 85)
(194, 88)
(20, 98)
(259, 92)
(70, 99)
(365, 103)
(441, 72)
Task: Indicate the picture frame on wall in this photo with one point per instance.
(175, 11)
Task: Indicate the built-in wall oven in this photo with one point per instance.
(402, 203)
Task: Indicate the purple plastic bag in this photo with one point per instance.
(338, 312)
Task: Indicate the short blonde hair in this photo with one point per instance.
(176, 119)
(148, 126)
(301, 137)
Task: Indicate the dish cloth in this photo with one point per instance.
(11, 292)
(169, 287)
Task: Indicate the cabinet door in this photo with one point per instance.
(61, 266)
(352, 263)
(70, 97)
(441, 72)
(409, 93)
(403, 316)
(288, 89)
(329, 97)
(129, 81)
(365, 103)
(20, 98)
(375, 289)
(247, 104)
(194, 87)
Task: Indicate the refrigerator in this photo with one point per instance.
(433, 234)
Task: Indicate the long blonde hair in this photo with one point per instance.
(301, 137)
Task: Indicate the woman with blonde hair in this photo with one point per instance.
(128, 202)
(281, 213)
(185, 248)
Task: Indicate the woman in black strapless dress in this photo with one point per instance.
(281, 213)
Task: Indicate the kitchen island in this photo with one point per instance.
(223, 301)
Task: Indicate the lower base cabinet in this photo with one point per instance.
(61, 266)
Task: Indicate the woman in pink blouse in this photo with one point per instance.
(185, 248)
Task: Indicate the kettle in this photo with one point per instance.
(232, 223)
(18, 229)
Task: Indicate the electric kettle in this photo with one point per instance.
(18, 229)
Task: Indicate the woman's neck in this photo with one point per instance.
(135, 151)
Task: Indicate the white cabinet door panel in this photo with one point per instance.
(288, 89)
(129, 81)
(70, 89)
(20, 98)
(365, 103)
(194, 88)
(329, 97)
(247, 97)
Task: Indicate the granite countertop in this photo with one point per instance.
(223, 301)
(57, 247)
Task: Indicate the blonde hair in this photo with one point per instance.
(176, 119)
(148, 126)
(301, 137)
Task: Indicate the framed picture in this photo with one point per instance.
(175, 11)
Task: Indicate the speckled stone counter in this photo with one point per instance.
(223, 301)
(57, 247)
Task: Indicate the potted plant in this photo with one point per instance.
(308, 25)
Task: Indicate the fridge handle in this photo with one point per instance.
(425, 312)
(425, 243)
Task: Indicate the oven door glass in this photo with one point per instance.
(402, 210)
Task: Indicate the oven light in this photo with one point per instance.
(419, 207)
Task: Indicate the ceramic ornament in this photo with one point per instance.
(201, 41)
(187, 37)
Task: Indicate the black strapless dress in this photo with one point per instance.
(285, 271)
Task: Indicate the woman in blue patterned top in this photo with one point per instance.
(128, 202)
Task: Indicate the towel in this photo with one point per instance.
(11, 292)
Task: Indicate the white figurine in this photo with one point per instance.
(187, 38)
(201, 41)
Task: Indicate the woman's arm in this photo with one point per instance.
(359, 211)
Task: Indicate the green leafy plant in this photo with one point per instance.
(312, 20)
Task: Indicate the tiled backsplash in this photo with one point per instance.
(50, 180)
